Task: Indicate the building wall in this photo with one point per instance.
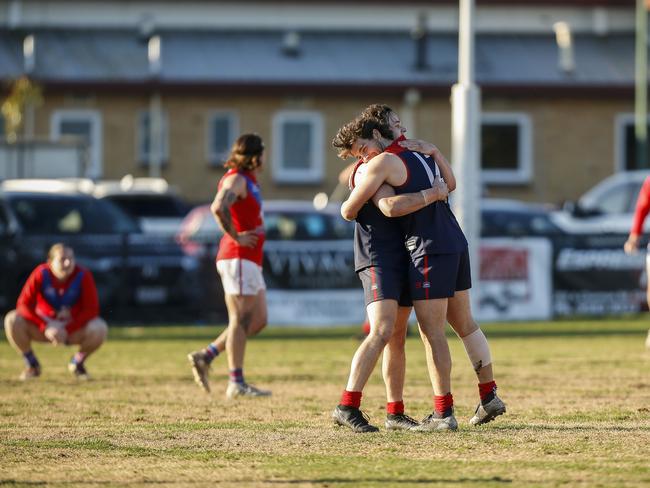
(573, 139)
(573, 145)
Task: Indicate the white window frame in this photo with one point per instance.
(524, 172)
(95, 167)
(622, 120)
(312, 174)
(233, 120)
(144, 159)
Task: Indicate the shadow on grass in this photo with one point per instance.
(389, 481)
(247, 482)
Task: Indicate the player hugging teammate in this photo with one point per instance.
(409, 251)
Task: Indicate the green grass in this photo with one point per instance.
(578, 396)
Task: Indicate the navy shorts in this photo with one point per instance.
(439, 275)
(385, 283)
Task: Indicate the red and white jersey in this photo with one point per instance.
(43, 296)
(642, 208)
(246, 215)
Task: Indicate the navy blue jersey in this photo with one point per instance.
(434, 228)
(378, 240)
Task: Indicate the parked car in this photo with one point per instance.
(135, 273)
(592, 275)
(157, 206)
(513, 218)
(607, 208)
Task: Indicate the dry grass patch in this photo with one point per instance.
(578, 396)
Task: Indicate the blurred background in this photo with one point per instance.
(117, 117)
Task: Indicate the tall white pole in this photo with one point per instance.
(155, 109)
(641, 86)
(465, 140)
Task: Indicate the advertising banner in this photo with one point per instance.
(312, 283)
(593, 276)
(515, 279)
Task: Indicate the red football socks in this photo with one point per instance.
(351, 398)
(443, 403)
(395, 408)
(484, 389)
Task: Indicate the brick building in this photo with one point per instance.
(557, 115)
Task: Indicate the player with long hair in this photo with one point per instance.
(237, 208)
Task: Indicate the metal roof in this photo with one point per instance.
(323, 59)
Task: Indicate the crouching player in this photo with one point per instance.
(59, 305)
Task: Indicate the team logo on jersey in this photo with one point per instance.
(411, 243)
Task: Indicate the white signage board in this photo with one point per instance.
(515, 280)
(316, 308)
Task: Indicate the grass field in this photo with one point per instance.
(578, 396)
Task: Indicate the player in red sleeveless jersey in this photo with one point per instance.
(58, 304)
(632, 244)
(237, 207)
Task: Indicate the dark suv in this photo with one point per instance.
(151, 201)
(137, 276)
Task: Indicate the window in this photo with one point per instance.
(297, 147)
(222, 131)
(626, 143)
(506, 148)
(144, 138)
(84, 126)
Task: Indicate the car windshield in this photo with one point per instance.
(58, 214)
(306, 226)
(150, 205)
(614, 200)
(512, 223)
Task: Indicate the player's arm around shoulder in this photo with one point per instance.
(445, 169)
(392, 205)
(379, 169)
